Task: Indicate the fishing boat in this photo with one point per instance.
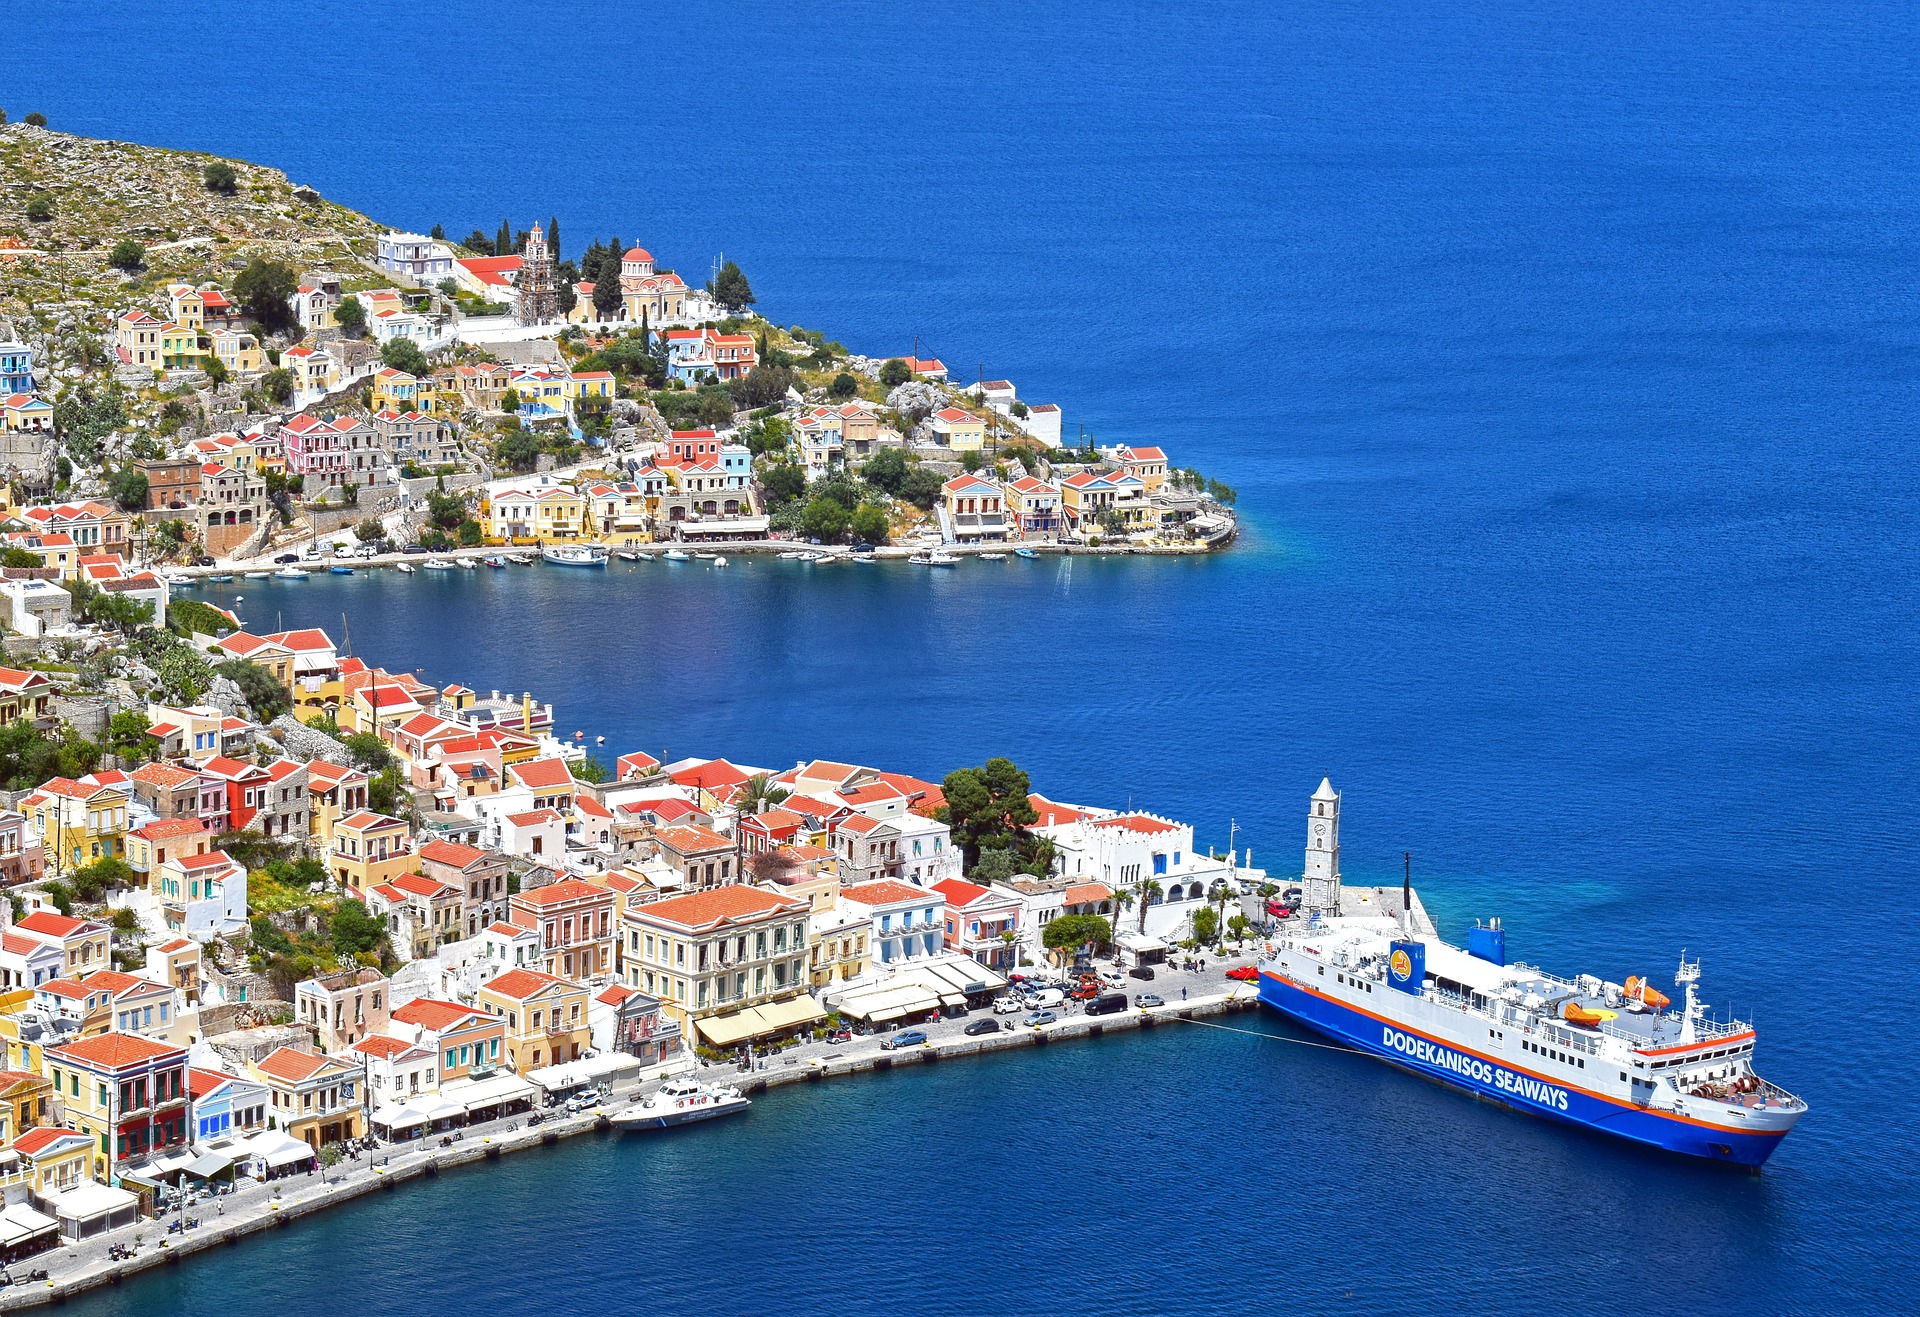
(935, 558)
(437, 565)
(1025, 553)
(1608, 1057)
(680, 1101)
(796, 555)
(406, 567)
(574, 555)
(258, 576)
(287, 573)
(226, 578)
(675, 555)
(340, 571)
(467, 564)
(706, 557)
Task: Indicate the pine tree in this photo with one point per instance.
(438, 234)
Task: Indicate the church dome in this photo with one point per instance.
(638, 254)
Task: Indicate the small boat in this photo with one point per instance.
(495, 561)
(437, 565)
(226, 578)
(992, 557)
(628, 555)
(675, 555)
(1025, 553)
(287, 573)
(719, 562)
(520, 559)
(796, 555)
(643, 556)
(1586, 1016)
(259, 576)
(406, 567)
(574, 555)
(340, 571)
(933, 559)
(706, 557)
(680, 1101)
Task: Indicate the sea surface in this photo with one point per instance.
(1564, 357)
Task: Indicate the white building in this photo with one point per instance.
(905, 922)
(415, 255)
(1126, 852)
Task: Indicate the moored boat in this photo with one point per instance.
(340, 570)
(437, 565)
(405, 567)
(574, 555)
(992, 557)
(287, 573)
(495, 561)
(1025, 553)
(936, 558)
(675, 555)
(680, 1101)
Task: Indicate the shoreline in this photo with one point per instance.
(425, 1159)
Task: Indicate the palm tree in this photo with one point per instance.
(1121, 900)
(758, 792)
(1218, 896)
(1150, 891)
(1008, 939)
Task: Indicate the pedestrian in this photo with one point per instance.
(1183, 994)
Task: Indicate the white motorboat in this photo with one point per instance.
(406, 567)
(992, 557)
(437, 565)
(706, 557)
(675, 555)
(628, 555)
(520, 559)
(258, 576)
(680, 1101)
(292, 573)
(933, 559)
(644, 556)
(467, 563)
(574, 555)
(720, 562)
(795, 555)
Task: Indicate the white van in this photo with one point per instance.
(1048, 999)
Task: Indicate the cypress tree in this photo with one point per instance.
(553, 237)
(503, 240)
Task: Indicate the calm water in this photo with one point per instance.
(1564, 358)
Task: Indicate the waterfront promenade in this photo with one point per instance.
(255, 1207)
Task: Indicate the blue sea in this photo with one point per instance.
(1564, 357)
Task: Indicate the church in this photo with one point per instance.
(658, 295)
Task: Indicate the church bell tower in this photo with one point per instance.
(1321, 888)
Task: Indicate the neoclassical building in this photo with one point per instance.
(660, 295)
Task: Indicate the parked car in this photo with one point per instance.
(1039, 1018)
(1107, 1003)
(203, 561)
(1048, 998)
(415, 548)
(284, 559)
(840, 1035)
(1144, 972)
(1244, 974)
(311, 553)
(1148, 999)
(984, 1025)
(1008, 1004)
(367, 550)
(580, 1102)
(905, 1038)
(343, 551)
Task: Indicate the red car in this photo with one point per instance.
(1245, 974)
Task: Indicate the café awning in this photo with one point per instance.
(587, 1070)
(760, 1021)
(20, 1224)
(207, 1165)
(479, 1094)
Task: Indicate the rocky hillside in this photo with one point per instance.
(54, 272)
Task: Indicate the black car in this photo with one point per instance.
(1141, 972)
(203, 561)
(978, 1027)
(415, 548)
(286, 558)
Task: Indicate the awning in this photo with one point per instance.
(888, 1001)
(435, 1107)
(89, 1200)
(587, 1070)
(207, 1165)
(478, 1094)
(20, 1223)
(400, 1118)
(1140, 942)
(774, 1017)
(286, 1153)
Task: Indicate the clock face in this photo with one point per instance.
(1319, 829)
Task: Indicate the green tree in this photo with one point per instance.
(12, 557)
(894, 372)
(607, 295)
(869, 524)
(1150, 893)
(216, 369)
(219, 177)
(39, 208)
(405, 354)
(351, 316)
(730, 289)
(92, 882)
(370, 531)
(277, 384)
(886, 470)
(128, 486)
(995, 866)
(758, 793)
(844, 386)
(27, 756)
(353, 930)
(266, 697)
(824, 518)
(127, 735)
(183, 675)
(37, 119)
(123, 613)
(127, 254)
(190, 617)
(370, 753)
(1206, 924)
(265, 289)
(1071, 932)
(783, 482)
(761, 387)
(988, 809)
(591, 769)
(920, 487)
(518, 451)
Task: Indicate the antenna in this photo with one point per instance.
(1406, 893)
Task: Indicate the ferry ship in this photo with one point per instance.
(1617, 1058)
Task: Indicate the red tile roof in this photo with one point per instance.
(960, 893)
(112, 1051)
(704, 909)
(543, 773)
(429, 1013)
(567, 889)
(291, 1065)
(37, 1140)
(520, 984)
(884, 892)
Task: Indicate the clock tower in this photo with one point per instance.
(1321, 890)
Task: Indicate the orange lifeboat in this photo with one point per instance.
(1575, 1013)
(1638, 989)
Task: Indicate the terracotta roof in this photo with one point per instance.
(49, 924)
(567, 889)
(703, 909)
(452, 853)
(959, 892)
(1086, 894)
(381, 1046)
(37, 1140)
(291, 1065)
(163, 775)
(521, 984)
(161, 829)
(1138, 823)
(111, 1051)
(884, 892)
(691, 837)
(538, 773)
(533, 818)
(430, 1013)
(202, 1082)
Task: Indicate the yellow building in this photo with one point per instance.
(313, 371)
(546, 1017)
(80, 820)
(397, 391)
(960, 429)
(52, 1158)
(589, 384)
(370, 849)
(127, 1094)
(320, 1099)
(183, 347)
(334, 792)
(238, 352)
(549, 515)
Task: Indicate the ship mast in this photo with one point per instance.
(1688, 976)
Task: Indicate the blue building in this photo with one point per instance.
(16, 368)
